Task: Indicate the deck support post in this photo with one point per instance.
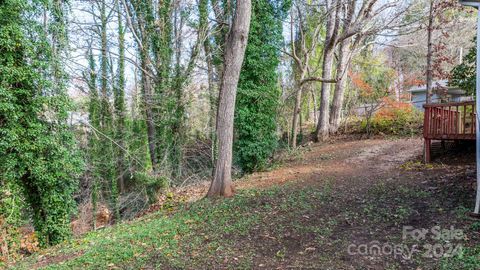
(427, 151)
(477, 107)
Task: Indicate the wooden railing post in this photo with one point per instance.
(426, 122)
(426, 130)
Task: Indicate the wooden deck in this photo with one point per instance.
(448, 121)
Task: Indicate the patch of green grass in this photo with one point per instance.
(462, 211)
(475, 226)
(417, 165)
(276, 164)
(390, 203)
(468, 259)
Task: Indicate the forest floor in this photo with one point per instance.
(325, 207)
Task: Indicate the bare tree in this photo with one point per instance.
(305, 39)
(437, 21)
(333, 22)
(234, 54)
(345, 50)
(301, 54)
(367, 20)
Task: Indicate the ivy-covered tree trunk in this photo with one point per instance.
(137, 133)
(38, 150)
(105, 154)
(93, 150)
(164, 111)
(159, 29)
(147, 98)
(119, 103)
(258, 90)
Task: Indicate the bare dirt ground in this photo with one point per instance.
(336, 160)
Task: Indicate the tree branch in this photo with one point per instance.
(317, 79)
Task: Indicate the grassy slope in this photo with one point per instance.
(199, 235)
(279, 227)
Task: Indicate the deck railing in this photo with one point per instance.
(450, 121)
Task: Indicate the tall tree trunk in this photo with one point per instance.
(94, 120)
(338, 96)
(179, 111)
(203, 14)
(108, 161)
(104, 56)
(147, 94)
(430, 54)
(311, 104)
(314, 108)
(308, 115)
(343, 62)
(296, 111)
(234, 55)
(322, 130)
(120, 102)
(212, 102)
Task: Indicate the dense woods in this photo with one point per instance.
(105, 105)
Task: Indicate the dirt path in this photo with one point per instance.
(340, 160)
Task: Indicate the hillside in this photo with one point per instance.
(305, 214)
